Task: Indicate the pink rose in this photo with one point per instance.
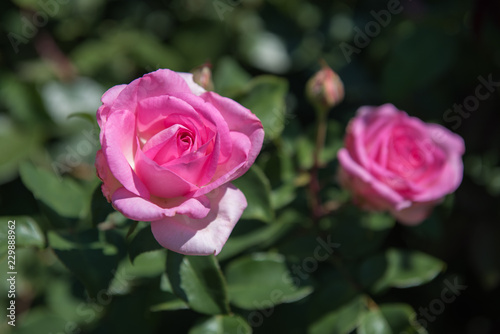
(169, 151)
(395, 162)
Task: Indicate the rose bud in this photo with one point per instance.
(398, 163)
(202, 75)
(325, 89)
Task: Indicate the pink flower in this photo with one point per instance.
(395, 162)
(169, 151)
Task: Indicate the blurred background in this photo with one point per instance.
(429, 58)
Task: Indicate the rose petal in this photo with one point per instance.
(207, 235)
(449, 141)
(239, 119)
(246, 135)
(110, 183)
(445, 183)
(416, 213)
(160, 82)
(195, 168)
(163, 138)
(233, 168)
(383, 111)
(161, 181)
(119, 144)
(195, 88)
(154, 114)
(107, 99)
(214, 116)
(363, 129)
(138, 208)
(370, 187)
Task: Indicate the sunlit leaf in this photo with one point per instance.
(222, 324)
(373, 322)
(198, 281)
(341, 321)
(92, 256)
(262, 281)
(255, 186)
(143, 241)
(265, 97)
(63, 195)
(399, 269)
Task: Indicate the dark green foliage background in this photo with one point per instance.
(83, 268)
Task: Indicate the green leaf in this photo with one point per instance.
(284, 195)
(401, 318)
(255, 185)
(229, 78)
(100, 207)
(357, 234)
(171, 304)
(120, 49)
(169, 301)
(143, 241)
(148, 264)
(373, 322)
(85, 116)
(399, 269)
(265, 97)
(411, 268)
(280, 169)
(378, 221)
(21, 144)
(91, 255)
(81, 95)
(64, 195)
(341, 321)
(19, 98)
(198, 280)
(262, 281)
(222, 324)
(372, 270)
(305, 149)
(42, 320)
(333, 292)
(27, 233)
(237, 243)
(431, 228)
(61, 300)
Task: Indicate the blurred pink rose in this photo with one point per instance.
(169, 151)
(395, 162)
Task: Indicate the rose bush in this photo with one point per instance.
(169, 151)
(395, 162)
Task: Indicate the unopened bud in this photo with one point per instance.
(202, 75)
(325, 89)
